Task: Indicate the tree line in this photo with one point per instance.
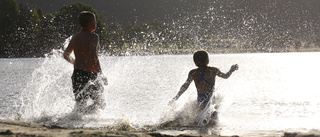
(28, 32)
(33, 33)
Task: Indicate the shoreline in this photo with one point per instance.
(25, 129)
(180, 52)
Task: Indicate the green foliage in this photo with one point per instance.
(32, 33)
(114, 36)
(67, 21)
(8, 13)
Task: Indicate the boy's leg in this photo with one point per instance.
(80, 105)
(99, 101)
(97, 95)
(79, 81)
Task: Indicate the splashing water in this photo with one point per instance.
(47, 92)
(131, 105)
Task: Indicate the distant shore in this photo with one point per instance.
(141, 52)
(147, 52)
(24, 129)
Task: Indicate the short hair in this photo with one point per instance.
(201, 58)
(85, 17)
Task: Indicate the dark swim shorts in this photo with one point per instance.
(85, 85)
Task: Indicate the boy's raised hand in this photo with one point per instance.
(234, 67)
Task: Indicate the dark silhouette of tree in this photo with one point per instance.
(115, 39)
(67, 23)
(8, 15)
(32, 33)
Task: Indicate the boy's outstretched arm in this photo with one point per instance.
(184, 87)
(228, 74)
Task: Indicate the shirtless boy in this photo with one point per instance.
(204, 78)
(87, 69)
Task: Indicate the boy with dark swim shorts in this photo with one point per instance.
(87, 69)
(204, 78)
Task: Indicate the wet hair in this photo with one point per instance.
(85, 17)
(201, 58)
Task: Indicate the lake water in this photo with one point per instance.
(270, 93)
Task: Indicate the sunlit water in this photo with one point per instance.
(270, 93)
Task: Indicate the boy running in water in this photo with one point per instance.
(204, 78)
(85, 46)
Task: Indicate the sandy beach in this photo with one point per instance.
(24, 129)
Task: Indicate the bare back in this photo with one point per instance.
(205, 84)
(85, 46)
